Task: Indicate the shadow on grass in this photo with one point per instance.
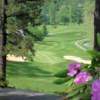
(26, 69)
(34, 69)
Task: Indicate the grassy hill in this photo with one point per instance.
(38, 75)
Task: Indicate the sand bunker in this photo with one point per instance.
(77, 59)
(14, 58)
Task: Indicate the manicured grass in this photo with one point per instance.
(62, 41)
(39, 75)
(35, 76)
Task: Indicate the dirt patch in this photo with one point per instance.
(77, 59)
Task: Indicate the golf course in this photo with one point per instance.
(48, 60)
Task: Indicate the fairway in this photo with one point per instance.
(38, 75)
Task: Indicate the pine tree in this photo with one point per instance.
(14, 36)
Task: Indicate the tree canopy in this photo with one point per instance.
(15, 38)
(19, 40)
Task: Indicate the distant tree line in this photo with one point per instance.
(67, 11)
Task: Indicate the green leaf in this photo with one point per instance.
(86, 69)
(87, 95)
(72, 94)
(94, 63)
(70, 83)
(77, 97)
(94, 53)
(87, 91)
(90, 82)
(62, 80)
(62, 74)
(75, 87)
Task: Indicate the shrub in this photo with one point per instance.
(3, 83)
(45, 32)
(82, 80)
(36, 33)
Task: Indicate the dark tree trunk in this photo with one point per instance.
(3, 41)
(96, 24)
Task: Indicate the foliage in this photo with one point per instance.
(74, 90)
(20, 41)
(35, 32)
(38, 33)
(83, 80)
(3, 83)
(63, 12)
(45, 32)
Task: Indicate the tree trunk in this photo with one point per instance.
(96, 24)
(3, 41)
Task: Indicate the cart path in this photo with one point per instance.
(16, 94)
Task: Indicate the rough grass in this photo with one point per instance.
(39, 75)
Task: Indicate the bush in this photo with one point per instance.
(82, 80)
(3, 84)
(45, 32)
(36, 33)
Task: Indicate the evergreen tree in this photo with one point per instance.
(14, 35)
(23, 13)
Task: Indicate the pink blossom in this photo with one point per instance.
(95, 86)
(96, 96)
(72, 73)
(82, 77)
(96, 90)
(73, 68)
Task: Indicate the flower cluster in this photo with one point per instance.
(96, 90)
(73, 69)
(81, 77)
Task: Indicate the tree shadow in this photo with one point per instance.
(26, 69)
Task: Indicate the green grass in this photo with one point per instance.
(62, 41)
(39, 75)
(34, 76)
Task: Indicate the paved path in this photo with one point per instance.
(14, 94)
(79, 46)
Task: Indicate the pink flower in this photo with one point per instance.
(82, 77)
(95, 86)
(73, 68)
(96, 90)
(72, 73)
(96, 96)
